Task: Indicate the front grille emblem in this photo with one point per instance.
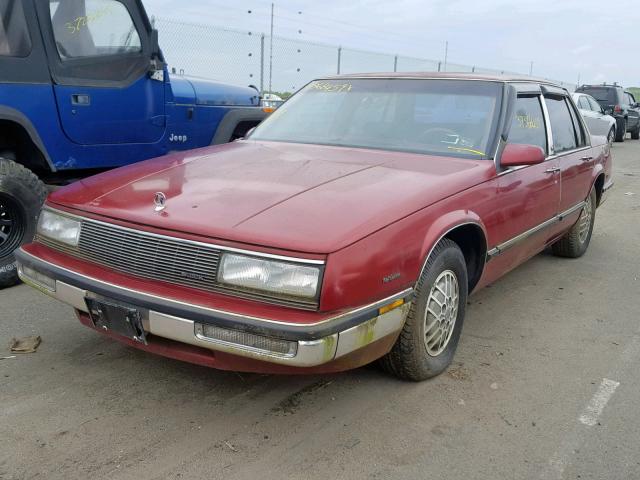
(160, 201)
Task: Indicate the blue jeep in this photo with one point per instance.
(84, 88)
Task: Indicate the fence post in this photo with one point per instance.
(262, 64)
(395, 63)
(439, 65)
(339, 58)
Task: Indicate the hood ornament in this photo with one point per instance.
(160, 201)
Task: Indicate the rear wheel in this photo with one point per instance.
(576, 241)
(21, 196)
(431, 332)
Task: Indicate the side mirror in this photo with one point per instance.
(517, 155)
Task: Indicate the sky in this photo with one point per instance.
(590, 41)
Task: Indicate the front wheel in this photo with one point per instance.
(611, 137)
(635, 134)
(429, 338)
(576, 241)
(21, 196)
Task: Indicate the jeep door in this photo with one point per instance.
(633, 111)
(99, 54)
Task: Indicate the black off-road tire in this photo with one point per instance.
(635, 134)
(21, 197)
(409, 358)
(621, 131)
(574, 243)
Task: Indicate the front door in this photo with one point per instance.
(528, 197)
(100, 55)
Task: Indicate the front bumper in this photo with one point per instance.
(311, 345)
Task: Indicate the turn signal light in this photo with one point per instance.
(391, 306)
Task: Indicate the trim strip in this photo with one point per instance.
(498, 249)
(184, 240)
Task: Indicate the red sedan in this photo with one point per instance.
(350, 226)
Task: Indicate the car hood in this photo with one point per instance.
(303, 198)
(198, 91)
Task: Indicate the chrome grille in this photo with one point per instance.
(158, 257)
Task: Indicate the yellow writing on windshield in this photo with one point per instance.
(527, 121)
(80, 22)
(331, 87)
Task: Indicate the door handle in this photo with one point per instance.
(552, 170)
(80, 99)
(586, 159)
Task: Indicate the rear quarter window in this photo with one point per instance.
(14, 33)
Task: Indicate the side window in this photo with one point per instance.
(527, 126)
(581, 136)
(14, 33)
(583, 103)
(564, 135)
(595, 106)
(630, 99)
(93, 28)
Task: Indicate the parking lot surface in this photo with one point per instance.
(544, 386)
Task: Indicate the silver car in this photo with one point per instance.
(597, 121)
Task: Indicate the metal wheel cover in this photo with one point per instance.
(584, 223)
(441, 313)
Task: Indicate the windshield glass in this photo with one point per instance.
(445, 117)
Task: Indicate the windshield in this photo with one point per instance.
(444, 117)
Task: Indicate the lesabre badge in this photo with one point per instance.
(160, 201)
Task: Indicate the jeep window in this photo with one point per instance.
(564, 135)
(14, 34)
(93, 28)
(446, 117)
(606, 95)
(527, 126)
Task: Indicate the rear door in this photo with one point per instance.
(633, 111)
(571, 147)
(100, 53)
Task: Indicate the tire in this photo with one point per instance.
(414, 356)
(21, 197)
(621, 132)
(576, 241)
(635, 134)
(611, 136)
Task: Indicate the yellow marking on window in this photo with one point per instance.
(469, 150)
(80, 22)
(527, 121)
(332, 87)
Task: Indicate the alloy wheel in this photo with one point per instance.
(441, 312)
(584, 223)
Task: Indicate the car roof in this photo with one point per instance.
(448, 76)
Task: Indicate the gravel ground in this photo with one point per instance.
(544, 386)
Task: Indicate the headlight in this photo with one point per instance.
(269, 276)
(59, 228)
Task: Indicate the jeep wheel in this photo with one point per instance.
(576, 241)
(621, 131)
(635, 134)
(21, 196)
(431, 332)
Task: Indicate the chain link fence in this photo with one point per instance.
(280, 64)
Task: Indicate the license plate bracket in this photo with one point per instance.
(111, 316)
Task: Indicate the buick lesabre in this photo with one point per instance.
(350, 226)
